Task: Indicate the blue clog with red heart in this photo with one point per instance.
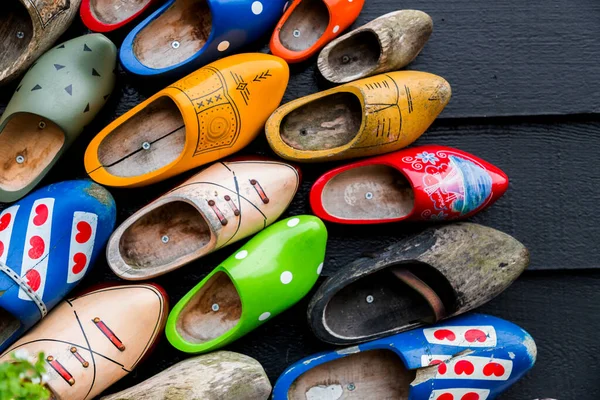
(48, 242)
(472, 357)
(182, 36)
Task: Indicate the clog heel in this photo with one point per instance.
(308, 25)
(183, 35)
(267, 275)
(225, 203)
(205, 116)
(55, 100)
(28, 29)
(370, 116)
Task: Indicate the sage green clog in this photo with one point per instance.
(61, 93)
(269, 274)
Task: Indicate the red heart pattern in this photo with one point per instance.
(475, 335)
(41, 215)
(446, 396)
(465, 367)
(493, 369)
(34, 280)
(442, 334)
(442, 367)
(470, 396)
(84, 232)
(1, 248)
(37, 247)
(5, 221)
(80, 260)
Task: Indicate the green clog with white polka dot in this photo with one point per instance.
(266, 276)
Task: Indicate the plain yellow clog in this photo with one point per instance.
(371, 116)
(211, 113)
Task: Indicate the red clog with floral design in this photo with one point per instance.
(420, 183)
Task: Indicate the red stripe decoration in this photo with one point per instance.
(259, 190)
(236, 211)
(61, 370)
(109, 334)
(220, 215)
(79, 357)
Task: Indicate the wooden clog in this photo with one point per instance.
(48, 242)
(205, 116)
(371, 116)
(27, 29)
(440, 273)
(269, 274)
(183, 35)
(57, 97)
(419, 183)
(473, 357)
(217, 207)
(387, 43)
(93, 340)
(308, 25)
(108, 15)
(219, 375)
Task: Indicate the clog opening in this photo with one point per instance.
(171, 233)
(370, 192)
(175, 36)
(354, 57)
(115, 11)
(379, 302)
(373, 374)
(16, 32)
(28, 145)
(9, 324)
(147, 141)
(213, 311)
(305, 25)
(325, 123)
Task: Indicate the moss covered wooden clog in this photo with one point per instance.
(267, 275)
(218, 375)
(370, 116)
(27, 29)
(56, 99)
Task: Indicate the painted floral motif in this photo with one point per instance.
(456, 187)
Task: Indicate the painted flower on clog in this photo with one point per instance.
(426, 157)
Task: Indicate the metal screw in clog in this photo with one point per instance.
(20, 35)
(369, 196)
(369, 299)
(175, 44)
(20, 159)
(146, 146)
(296, 33)
(345, 59)
(42, 125)
(351, 387)
(215, 307)
(165, 239)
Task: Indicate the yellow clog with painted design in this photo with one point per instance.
(211, 113)
(375, 115)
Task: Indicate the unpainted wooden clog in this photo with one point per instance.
(205, 116)
(415, 184)
(440, 273)
(266, 276)
(93, 340)
(183, 35)
(56, 99)
(472, 357)
(387, 43)
(27, 29)
(108, 15)
(367, 117)
(219, 375)
(308, 25)
(48, 242)
(224, 203)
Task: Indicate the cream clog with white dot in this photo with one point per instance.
(266, 276)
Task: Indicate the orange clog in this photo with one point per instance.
(209, 114)
(308, 25)
(371, 116)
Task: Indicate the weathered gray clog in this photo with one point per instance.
(387, 43)
(440, 273)
(215, 376)
(58, 96)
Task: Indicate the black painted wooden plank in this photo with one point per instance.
(559, 309)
